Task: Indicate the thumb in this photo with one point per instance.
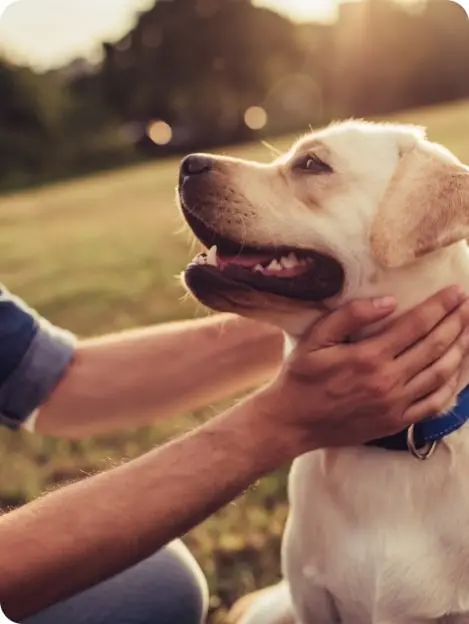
(347, 320)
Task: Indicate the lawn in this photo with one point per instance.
(102, 254)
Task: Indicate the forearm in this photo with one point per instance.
(75, 537)
(138, 376)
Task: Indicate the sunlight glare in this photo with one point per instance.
(4, 4)
(302, 10)
(464, 4)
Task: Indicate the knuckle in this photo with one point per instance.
(435, 309)
(417, 322)
(440, 376)
(440, 401)
(439, 346)
(452, 382)
(381, 385)
(367, 360)
(302, 367)
(464, 344)
(455, 361)
(446, 366)
(435, 405)
(463, 314)
(297, 367)
(449, 299)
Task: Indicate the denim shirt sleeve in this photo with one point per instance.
(33, 357)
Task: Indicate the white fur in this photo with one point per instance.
(373, 537)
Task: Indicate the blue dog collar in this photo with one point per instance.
(427, 433)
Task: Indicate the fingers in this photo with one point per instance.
(437, 343)
(419, 322)
(348, 320)
(433, 404)
(439, 373)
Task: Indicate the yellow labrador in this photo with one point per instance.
(354, 210)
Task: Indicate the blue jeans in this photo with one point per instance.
(167, 588)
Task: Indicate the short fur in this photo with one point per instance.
(373, 536)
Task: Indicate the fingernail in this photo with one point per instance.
(384, 302)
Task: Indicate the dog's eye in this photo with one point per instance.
(313, 164)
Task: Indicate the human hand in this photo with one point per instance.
(331, 393)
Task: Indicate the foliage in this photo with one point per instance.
(198, 65)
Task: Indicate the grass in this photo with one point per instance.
(101, 254)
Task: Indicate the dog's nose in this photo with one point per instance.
(195, 164)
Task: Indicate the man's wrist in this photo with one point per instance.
(286, 436)
(259, 426)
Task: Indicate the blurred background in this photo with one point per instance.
(99, 99)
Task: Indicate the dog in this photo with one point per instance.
(354, 210)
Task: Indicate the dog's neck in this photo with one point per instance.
(415, 283)
(410, 286)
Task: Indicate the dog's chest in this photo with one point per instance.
(385, 536)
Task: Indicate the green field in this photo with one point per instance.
(102, 254)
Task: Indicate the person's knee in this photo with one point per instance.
(168, 588)
(189, 583)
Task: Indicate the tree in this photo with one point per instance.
(200, 65)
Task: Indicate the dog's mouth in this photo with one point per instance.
(285, 271)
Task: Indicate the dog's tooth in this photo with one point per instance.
(293, 259)
(289, 261)
(258, 267)
(212, 256)
(274, 266)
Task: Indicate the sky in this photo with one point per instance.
(49, 33)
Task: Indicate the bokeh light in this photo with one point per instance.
(160, 132)
(255, 117)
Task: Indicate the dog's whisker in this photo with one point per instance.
(273, 150)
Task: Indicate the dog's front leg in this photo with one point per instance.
(312, 604)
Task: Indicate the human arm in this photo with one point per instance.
(74, 537)
(128, 379)
(135, 377)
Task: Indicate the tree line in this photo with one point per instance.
(213, 72)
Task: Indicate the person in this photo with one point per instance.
(96, 551)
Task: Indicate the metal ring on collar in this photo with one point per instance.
(421, 454)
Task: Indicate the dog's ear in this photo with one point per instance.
(425, 208)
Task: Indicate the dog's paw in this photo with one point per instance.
(241, 607)
(266, 606)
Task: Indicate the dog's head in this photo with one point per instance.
(330, 220)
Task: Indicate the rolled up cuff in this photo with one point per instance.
(38, 373)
